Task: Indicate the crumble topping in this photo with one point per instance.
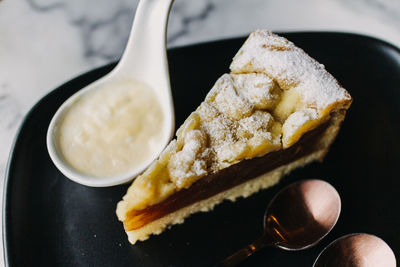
(258, 88)
(274, 95)
(297, 123)
(290, 67)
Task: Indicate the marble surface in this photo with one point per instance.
(44, 43)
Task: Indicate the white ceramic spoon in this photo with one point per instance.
(144, 60)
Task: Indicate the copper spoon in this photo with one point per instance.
(356, 250)
(298, 217)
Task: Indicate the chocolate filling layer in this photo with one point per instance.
(225, 179)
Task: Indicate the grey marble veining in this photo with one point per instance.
(183, 15)
(388, 11)
(104, 36)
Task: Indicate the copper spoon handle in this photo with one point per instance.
(242, 254)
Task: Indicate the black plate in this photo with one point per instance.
(52, 221)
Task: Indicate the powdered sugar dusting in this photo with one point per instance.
(189, 164)
(258, 88)
(290, 67)
(270, 77)
(228, 100)
(297, 120)
(227, 127)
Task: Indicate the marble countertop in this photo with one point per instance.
(44, 43)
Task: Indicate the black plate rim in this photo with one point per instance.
(7, 180)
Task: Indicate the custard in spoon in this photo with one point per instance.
(110, 131)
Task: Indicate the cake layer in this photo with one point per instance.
(247, 114)
(277, 109)
(246, 189)
(227, 178)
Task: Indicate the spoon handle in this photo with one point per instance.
(147, 40)
(242, 254)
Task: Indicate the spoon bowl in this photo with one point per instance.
(298, 217)
(356, 250)
(144, 61)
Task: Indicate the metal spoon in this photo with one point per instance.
(145, 61)
(298, 217)
(356, 250)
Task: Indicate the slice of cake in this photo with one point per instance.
(277, 110)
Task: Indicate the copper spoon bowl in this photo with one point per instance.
(298, 217)
(356, 250)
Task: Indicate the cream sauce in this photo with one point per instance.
(110, 131)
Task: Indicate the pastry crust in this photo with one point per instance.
(274, 95)
(244, 190)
